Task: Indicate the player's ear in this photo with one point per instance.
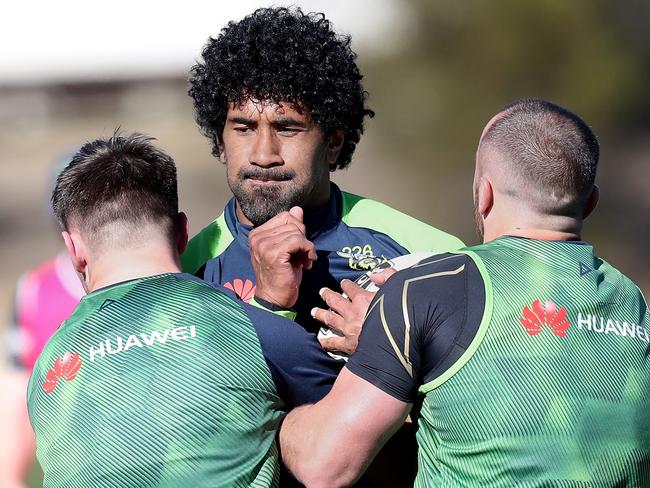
(76, 250)
(222, 149)
(334, 144)
(182, 232)
(485, 197)
(592, 201)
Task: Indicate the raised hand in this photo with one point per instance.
(347, 312)
(280, 251)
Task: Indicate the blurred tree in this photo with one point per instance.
(465, 59)
(460, 61)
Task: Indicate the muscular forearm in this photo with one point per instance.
(332, 442)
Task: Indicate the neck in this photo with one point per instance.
(543, 233)
(129, 264)
(539, 234)
(517, 220)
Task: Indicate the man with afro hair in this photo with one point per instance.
(280, 97)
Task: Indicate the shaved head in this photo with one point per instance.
(541, 155)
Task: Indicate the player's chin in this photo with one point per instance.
(261, 208)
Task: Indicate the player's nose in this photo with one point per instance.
(265, 151)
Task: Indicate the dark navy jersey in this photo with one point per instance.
(301, 370)
(352, 235)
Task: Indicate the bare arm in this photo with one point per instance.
(17, 440)
(332, 442)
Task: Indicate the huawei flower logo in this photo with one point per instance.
(65, 367)
(548, 314)
(245, 290)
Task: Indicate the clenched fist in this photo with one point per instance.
(280, 251)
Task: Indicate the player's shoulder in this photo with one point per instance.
(274, 327)
(207, 244)
(199, 292)
(58, 344)
(283, 338)
(358, 208)
(444, 279)
(442, 264)
(214, 298)
(411, 233)
(627, 286)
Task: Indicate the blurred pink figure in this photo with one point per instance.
(45, 297)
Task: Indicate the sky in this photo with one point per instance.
(45, 41)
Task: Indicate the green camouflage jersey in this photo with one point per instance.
(527, 362)
(160, 381)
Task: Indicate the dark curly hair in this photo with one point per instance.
(281, 55)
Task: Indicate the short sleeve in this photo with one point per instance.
(419, 324)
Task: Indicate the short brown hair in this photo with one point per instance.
(120, 178)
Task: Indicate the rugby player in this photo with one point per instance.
(45, 296)
(158, 378)
(527, 356)
(279, 95)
